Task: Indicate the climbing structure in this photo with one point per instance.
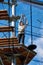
(10, 49)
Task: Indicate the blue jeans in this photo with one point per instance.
(21, 37)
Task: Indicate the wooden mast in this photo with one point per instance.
(13, 33)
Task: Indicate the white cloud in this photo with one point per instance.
(39, 43)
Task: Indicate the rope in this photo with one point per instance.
(9, 21)
(4, 34)
(31, 22)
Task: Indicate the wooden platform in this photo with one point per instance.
(9, 18)
(19, 51)
(26, 56)
(6, 28)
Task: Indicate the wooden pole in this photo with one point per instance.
(13, 14)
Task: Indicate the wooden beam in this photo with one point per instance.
(4, 18)
(9, 18)
(3, 11)
(7, 42)
(6, 28)
(15, 17)
(3, 14)
(28, 56)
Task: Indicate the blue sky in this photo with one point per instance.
(37, 22)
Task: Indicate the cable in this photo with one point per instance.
(32, 32)
(4, 34)
(9, 21)
(31, 22)
(15, 20)
(38, 61)
(29, 33)
(34, 35)
(26, 31)
(36, 27)
(28, 25)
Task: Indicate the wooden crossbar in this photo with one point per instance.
(29, 56)
(4, 18)
(6, 41)
(6, 28)
(26, 56)
(3, 14)
(3, 11)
